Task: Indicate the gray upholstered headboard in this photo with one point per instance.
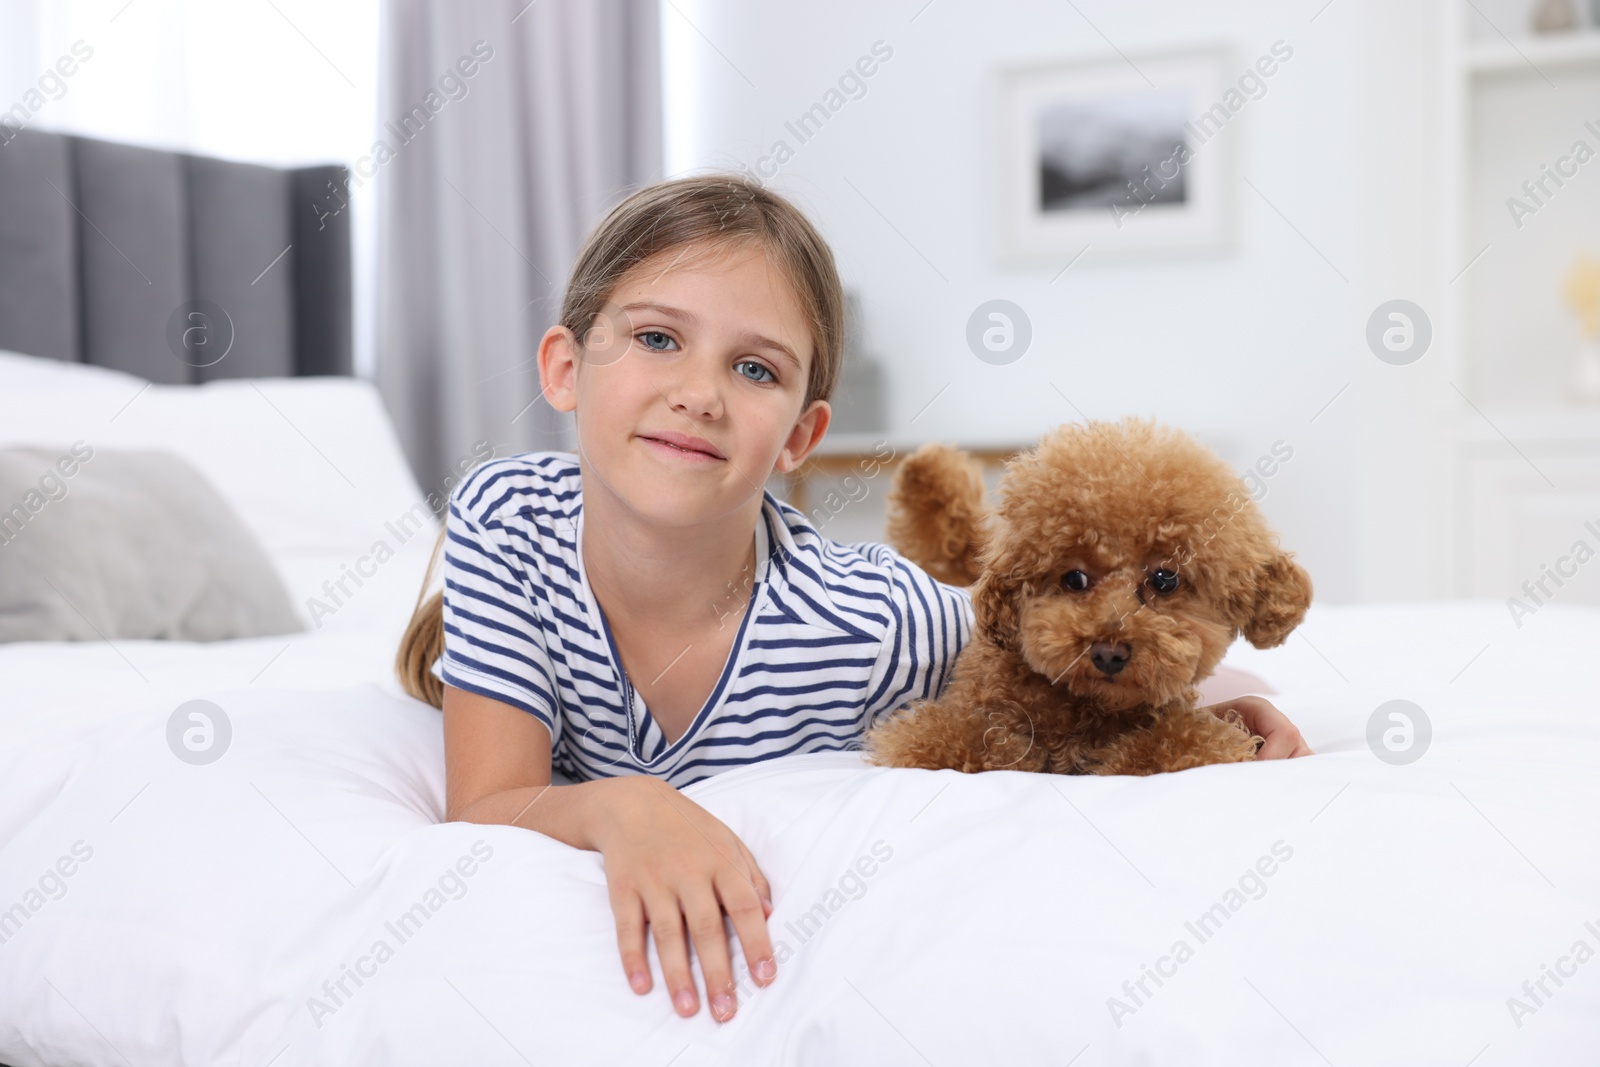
(108, 252)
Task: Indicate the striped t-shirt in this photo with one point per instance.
(833, 635)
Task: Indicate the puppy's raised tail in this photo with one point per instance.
(936, 512)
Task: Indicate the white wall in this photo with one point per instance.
(1403, 497)
(1244, 348)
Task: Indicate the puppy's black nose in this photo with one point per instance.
(1109, 657)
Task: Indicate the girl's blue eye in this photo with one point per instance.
(762, 367)
(657, 334)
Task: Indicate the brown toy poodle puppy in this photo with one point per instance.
(1119, 564)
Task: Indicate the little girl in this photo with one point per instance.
(643, 614)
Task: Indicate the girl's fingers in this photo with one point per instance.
(1284, 743)
(1296, 744)
(1278, 745)
(666, 923)
(1257, 714)
(762, 886)
(749, 914)
(704, 915)
(1281, 737)
(751, 871)
(629, 912)
(763, 889)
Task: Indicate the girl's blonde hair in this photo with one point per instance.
(709, 213)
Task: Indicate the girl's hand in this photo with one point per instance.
(1283, 738)
(670, 862)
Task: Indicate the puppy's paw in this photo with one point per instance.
(936, 736)
(883, 742)
(906, 738)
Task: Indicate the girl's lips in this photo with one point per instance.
(685, 454)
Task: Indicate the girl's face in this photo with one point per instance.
(689, 385)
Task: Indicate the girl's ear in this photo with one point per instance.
(1281, 596)
(559, 356)
(806, 435)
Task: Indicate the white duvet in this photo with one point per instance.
(298, 902)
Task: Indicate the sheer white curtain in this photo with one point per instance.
(510, 128)
(286, 83)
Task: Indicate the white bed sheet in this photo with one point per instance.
(1002, 914)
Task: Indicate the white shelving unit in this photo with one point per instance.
(1525, 456)
(1577, 47)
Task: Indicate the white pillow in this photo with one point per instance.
(136, 545)
(312, 466)
(35, 372)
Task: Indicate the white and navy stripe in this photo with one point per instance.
(834, 636)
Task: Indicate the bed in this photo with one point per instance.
(1423, 890)
(298, 900)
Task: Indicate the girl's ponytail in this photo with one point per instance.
(423, 642)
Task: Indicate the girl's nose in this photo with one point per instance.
(693, 392)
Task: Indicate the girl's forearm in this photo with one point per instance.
(569, 813)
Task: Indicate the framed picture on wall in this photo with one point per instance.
(1120, 155)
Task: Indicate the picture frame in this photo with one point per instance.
(1087, 157)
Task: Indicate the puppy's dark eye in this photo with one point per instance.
(1077, 581)
(1164, 581)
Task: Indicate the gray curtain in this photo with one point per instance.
(511, 128)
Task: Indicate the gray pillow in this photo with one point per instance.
(134, 545)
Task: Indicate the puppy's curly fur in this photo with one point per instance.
(1094, 673)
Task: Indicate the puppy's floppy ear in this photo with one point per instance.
(994, 608)
(1276, 605)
